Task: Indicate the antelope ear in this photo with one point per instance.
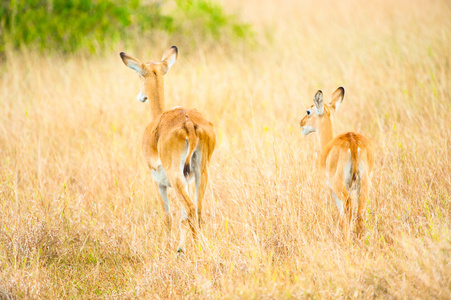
(318, 100)
(337, 98)
(170, 56)
(133, 63)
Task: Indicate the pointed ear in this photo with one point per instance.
(170, 56)
(133, 63)
(318, 100)
(337, 98)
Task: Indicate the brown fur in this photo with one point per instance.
(337, 153)
(352, 141)
(165, 139)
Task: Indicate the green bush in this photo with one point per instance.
(94, 25)
(211, 18)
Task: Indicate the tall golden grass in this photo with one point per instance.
(79, 217)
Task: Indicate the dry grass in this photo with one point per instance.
(78, 213)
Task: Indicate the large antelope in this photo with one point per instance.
(177, 144)
(346, 159)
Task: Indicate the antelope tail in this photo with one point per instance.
(354, 156)
(192, 144)
(355, 175)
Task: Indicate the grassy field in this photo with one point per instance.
(79, 217)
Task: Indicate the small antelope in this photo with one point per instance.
(177, 144)
(346, 159)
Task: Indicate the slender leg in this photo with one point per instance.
(183, 229)
(188, 218)
(361, 209)
(163, 195)
(201, 187)
(348, 208)
(338, 203)
(339, 193)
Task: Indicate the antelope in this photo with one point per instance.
(177, 145)
(347, 160)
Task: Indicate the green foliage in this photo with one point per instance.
(72, 25)
(211, 18)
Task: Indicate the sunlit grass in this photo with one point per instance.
(79, 216)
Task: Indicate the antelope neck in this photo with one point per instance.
(156, 98)
(326, 133)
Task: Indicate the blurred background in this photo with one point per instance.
(97, 26)
(79, 216)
